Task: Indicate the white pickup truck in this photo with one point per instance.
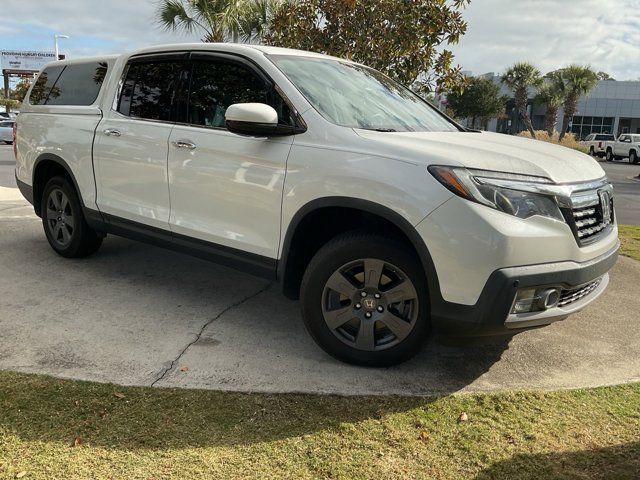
(626, 146)
(383, 216)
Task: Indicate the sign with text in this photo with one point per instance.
(25, 61)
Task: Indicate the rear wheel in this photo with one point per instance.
(609, 155)
(64, 225)
(364, 300)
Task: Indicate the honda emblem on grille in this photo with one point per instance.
(605, 203)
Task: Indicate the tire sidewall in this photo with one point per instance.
(340, 252)
(76, 240)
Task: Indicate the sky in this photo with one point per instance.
(549, 33)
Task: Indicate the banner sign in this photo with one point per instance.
(25, 61)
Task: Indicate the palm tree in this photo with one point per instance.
(519, 78)
(219, 20)
(551, 94)
(578, 81)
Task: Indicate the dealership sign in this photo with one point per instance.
(25, 61)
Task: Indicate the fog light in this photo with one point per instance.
(530, 300)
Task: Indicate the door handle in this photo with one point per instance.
(112, 132)
(184, 144)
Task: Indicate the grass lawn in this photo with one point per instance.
(630, 239)
(51, 428)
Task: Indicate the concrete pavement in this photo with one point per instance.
(138, 315)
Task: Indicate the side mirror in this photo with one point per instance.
(252, 119)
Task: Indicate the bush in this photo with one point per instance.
(568, 141)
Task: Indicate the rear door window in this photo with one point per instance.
(150, 90)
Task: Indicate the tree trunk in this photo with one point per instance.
(550, 120)
(521, 103)
(570, 106)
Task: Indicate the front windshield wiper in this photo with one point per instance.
(382, 129)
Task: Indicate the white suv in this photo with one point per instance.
(384, 217)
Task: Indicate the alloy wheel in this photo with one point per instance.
(370, 304)
(60, 218)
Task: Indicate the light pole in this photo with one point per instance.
(55, 42)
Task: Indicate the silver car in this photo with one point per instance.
(6, 131)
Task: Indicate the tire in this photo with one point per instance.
(397, 306)
(592, 151)
(633, 157)
(64, 225)
(609, 155)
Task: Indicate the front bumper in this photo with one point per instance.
(491, 315)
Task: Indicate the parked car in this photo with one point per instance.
(382, 215)
(596, 143)
(6, 131)
(626, 146)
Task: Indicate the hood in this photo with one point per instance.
(487, 151)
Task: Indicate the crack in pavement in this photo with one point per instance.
(204, 327)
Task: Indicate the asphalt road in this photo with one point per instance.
(138, 315)
(626, 185)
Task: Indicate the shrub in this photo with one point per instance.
(568, 141)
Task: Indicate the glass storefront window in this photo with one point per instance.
(584, 126)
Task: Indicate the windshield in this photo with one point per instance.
(359, 97)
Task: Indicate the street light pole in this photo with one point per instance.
(55, 42)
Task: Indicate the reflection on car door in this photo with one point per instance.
(227, 188)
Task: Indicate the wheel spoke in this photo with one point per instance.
(373, 272)
(52, 214)
(399, 327)
(340, 284)
(337, 318)
(366, 338)
(401, 293)
(70, 221)
(55, 200)
(64, 202)
(56, 231)
(66, 235)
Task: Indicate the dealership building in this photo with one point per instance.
(611, 107)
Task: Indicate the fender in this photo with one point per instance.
(375, 209)
(92, 216)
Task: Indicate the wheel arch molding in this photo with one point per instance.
(38, 184)
(289, 276)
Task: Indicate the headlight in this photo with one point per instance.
(509, 193)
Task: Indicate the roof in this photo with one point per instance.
(240, 48)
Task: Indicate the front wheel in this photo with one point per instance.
(64, 225)
(633, 157)
(364, 300)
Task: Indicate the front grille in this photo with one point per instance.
(567, 297)
(588, 221)
(590, 215)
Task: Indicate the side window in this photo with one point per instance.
(624, 138)
(215, 85)
(44, 85)
(149, 90)
(78, 84)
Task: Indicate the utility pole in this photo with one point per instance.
(55, 43)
